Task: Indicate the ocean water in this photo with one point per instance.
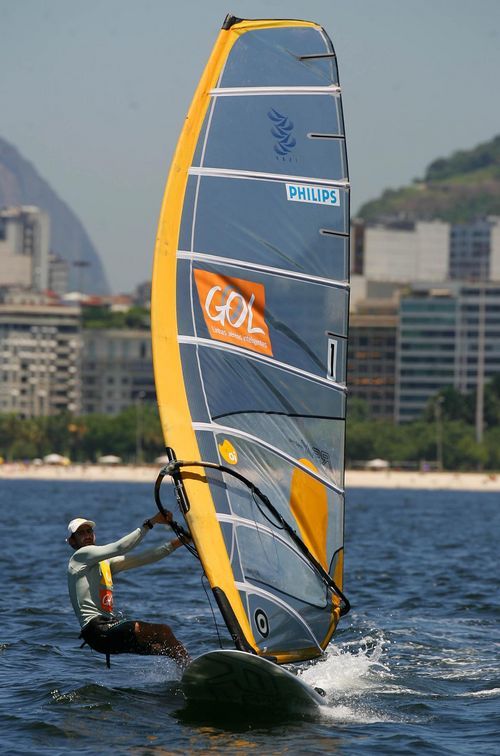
(413, 668)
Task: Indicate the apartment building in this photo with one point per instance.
(404, 251)
(447, 336)
(432, 251)
(371, 361)
(24, 247)
(117, 370)
(40, 349)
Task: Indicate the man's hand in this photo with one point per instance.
(162, 519)
(182, 540)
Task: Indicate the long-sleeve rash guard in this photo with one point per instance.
(90, 571)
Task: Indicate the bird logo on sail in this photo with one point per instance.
(282, 132)
(233, 310)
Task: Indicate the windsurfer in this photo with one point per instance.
(90, 585)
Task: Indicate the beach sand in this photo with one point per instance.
(126, 473)
(447, 481)
(451, 481)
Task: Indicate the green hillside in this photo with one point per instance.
(460, 188)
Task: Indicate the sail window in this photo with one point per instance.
(332, 359)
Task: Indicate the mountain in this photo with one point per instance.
(20, 184)
(460, 188)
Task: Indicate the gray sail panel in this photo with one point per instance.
(320, 440)
(255, 222)
(296, 333)
(281, 57)
(262, 308)
(275, 134)
(276, 481)
(284, 594)
(287, 627)
(301, 417)
(253, 385)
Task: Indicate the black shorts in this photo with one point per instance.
(110, 635)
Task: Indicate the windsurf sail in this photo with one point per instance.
(249, 323)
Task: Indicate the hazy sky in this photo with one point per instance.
(94, 94)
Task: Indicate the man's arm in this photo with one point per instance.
(89, 555)
(130, 561)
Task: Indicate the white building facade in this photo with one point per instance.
(40, 351)
(407, 251)
(24, 247)
(117, 370)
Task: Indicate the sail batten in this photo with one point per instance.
(235, 91)
(205, 257)
(183, 339)
(250, 321)
(228, 173)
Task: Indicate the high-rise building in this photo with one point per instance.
(428, 252)
(24, 247)
(475, 250)
(426, 349)
(58, 274)
(40, 349)
(371, 362)
(117, 370)
(447, 337)
(406, 252)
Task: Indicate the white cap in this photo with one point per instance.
(76, 523)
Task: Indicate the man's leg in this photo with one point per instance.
(159, 640)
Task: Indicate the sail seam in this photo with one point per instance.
(298, 415)
(193, 225)
(332, 89)
(245, 522)
(204, 257)
(263, 176)
(196, 340)
(216, 428)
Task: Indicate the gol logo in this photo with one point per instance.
(234, 310)
(228, 452)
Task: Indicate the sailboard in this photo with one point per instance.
(236, 679)
(250, 302)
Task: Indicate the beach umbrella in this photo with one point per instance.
(109, 459)
(163, 460)
(377, 464)
(55, 459)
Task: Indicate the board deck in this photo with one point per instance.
(237, 678)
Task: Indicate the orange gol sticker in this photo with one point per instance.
(228, 452)
(234, 310)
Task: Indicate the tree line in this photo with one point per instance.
(134, 435)
(444, 436)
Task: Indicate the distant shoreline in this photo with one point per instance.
(83, 472)
(447, 481)
(450, 481)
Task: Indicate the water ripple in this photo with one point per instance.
(413, 668)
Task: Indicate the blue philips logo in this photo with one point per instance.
(282, 132)
(317, 195)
